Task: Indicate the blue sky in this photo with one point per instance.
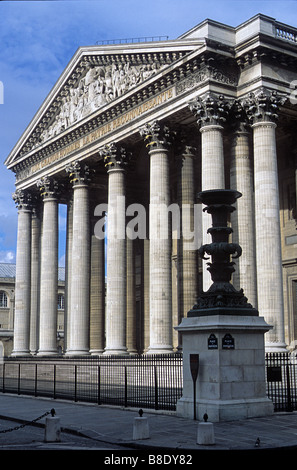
(39, 38)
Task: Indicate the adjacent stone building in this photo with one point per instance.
(7, 296)
(130, 133)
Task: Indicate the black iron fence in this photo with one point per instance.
(147, 381)
(150, 381)
(281, 380)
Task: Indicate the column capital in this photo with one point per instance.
(79, 173)
(115, 156)
(23, 199)
(157, 135)
(185, 145)
(210, 109)
(239, 119)
(263, 106)
(48, 187)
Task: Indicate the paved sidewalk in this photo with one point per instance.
(167, 432)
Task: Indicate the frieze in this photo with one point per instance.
(203, 74)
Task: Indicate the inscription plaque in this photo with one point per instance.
(212, 342)
(228, 342)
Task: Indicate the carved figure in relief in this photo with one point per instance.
(99, 86)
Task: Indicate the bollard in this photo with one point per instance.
(205, 433)
(52, 428)
(140, 427)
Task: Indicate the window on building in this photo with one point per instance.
(60, 302)
(3, 299)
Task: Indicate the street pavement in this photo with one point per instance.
(92, 427)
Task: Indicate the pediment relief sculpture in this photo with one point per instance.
(98, 87)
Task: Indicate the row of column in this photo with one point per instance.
(256, 225)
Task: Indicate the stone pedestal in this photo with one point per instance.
(140, 429)
(205, 434)
(52, 431)
(231, 379)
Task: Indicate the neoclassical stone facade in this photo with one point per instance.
(127, 138)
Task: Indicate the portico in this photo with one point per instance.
(127, 132)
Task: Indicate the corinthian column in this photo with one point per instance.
(97, 293)
(262, 109)
(158, 140)
(21, 346)
(242, 220)
(187, 243)
(35, 278)
(211, 112)
(78, 334)
(116, 159)
(49, 268)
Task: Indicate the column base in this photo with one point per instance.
(77, 352)
(96, 352)
(21, 354)
(275, 347)
(115, 352)
(160, 349)
(47, 353)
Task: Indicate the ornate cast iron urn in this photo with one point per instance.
(221, 298)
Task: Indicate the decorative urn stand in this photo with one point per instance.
(223, 334)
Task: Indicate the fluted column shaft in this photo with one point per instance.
(97, 297)
(160, 255)
(146, 294)
(187, 250)
(79, 343)
(68, 263)
(116, 288)
(131, 300)
(160, 252)
(21, 344)
(263, 109)
(268, 238)
(49, 270)
(116, 292)
(211, 112)
(242, 220)
(35, 280)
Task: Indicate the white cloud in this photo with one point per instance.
(7, 257)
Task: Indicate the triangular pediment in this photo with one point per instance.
(95, 77)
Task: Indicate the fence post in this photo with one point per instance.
(35, 387)
(156, 388)
(19, 379)
(125, 370)
(54, 381)
(289, 403)
(75, 382)
(98, 387)
(3, 381)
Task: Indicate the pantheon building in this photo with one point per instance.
(126, 139)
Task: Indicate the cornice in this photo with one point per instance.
(266, 48)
